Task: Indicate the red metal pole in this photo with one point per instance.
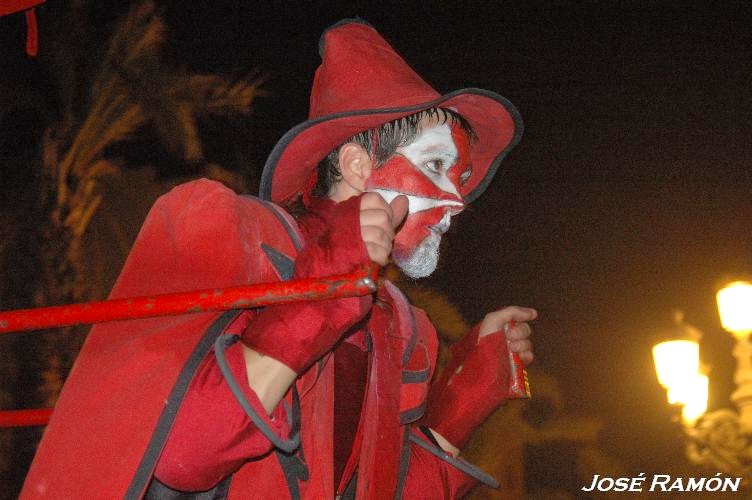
(359, 282)
(362, 281)
(25, 418)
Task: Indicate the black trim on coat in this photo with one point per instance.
(294, 464)
(404, 464)
(458, 463)
(160, 491)
(292, 232)
(146, 467)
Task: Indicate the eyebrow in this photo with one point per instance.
(442, 152)
(442, 148)
(435, 148)
(434, 143)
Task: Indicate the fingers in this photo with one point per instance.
(518, 341)
(373, 201)
(519, 331)
(378, 220)
(520, 346)
(526, 357)
(378, 244)
(400, 206)
(495, 321)
(513, 313)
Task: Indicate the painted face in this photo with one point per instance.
(429, 171)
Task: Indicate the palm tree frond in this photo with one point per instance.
(215, 94)
(142, 31)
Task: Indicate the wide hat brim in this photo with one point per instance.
(295, 158)
(363, 83)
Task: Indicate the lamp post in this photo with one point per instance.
(735, 310)
(721, 439)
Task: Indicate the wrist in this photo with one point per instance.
(269, 378)
(445, 444)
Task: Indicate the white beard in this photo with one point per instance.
(423, 261)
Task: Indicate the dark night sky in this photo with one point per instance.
(628, 195)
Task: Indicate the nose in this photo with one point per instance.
(455, 204)
(455, 209)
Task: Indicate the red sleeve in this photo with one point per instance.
(299, 334)
(430, 477)
(474, 383)
(212, 436)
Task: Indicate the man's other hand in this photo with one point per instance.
(518, 336)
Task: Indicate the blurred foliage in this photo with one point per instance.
(132, 91)
(95, 107)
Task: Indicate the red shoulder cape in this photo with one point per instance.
(200, 235)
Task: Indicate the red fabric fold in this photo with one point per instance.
(431, 477)
(212, 436)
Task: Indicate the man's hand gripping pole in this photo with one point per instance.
(361, 281)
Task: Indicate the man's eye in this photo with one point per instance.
(465, 176)
(434, 166)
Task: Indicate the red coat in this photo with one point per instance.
(120, 401)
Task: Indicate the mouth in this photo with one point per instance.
(443, 225)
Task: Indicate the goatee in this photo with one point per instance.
(423, 260)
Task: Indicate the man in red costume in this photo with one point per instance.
(317, 400)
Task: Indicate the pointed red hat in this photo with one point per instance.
(363, 83)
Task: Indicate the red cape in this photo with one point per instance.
(125, 385)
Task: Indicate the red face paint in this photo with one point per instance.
(462, 170)
(429, 172)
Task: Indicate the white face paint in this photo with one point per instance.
(420, 171)
(434, 152)
(417, 203)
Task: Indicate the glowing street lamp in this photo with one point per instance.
(677, 364)
(735, 308)
(721, 439)
(692, 395)
(735, 311)
(675, 360)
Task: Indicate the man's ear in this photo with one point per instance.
(355, 166)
